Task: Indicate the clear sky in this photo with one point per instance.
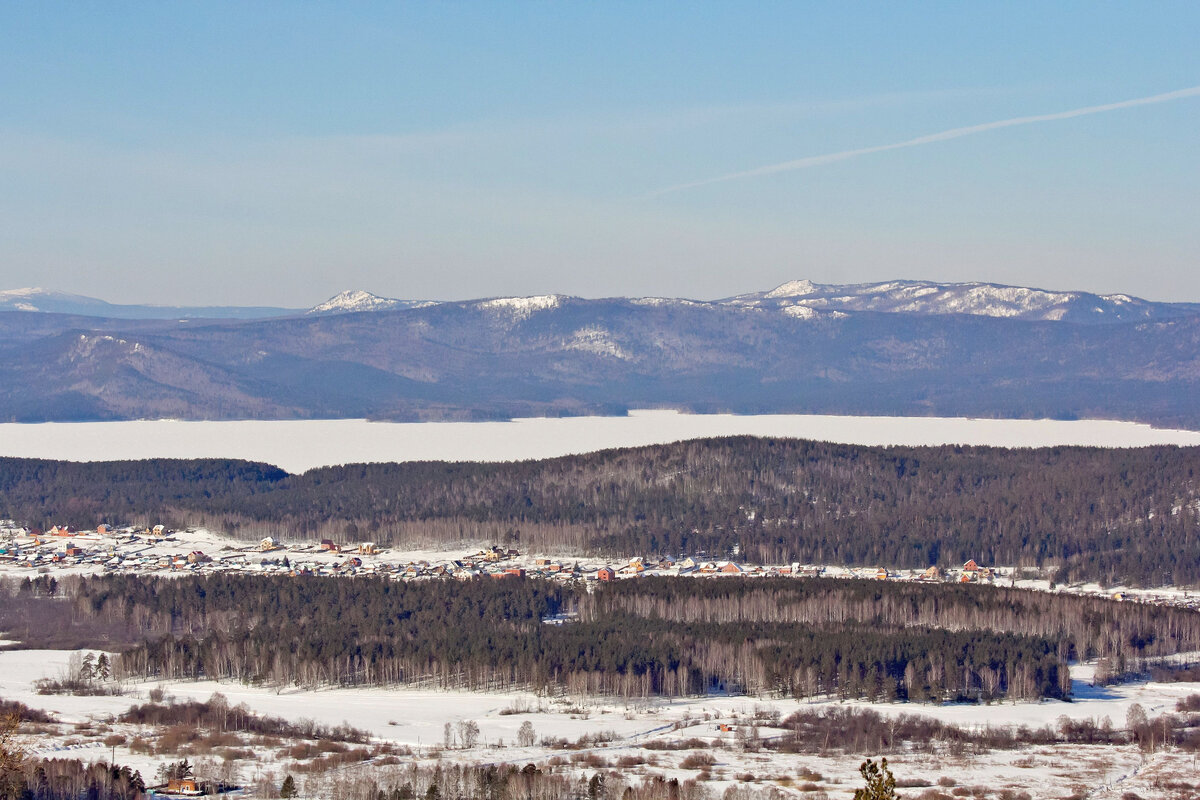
(264, 153)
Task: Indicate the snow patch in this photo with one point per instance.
(596, 340)
(663, 301)
(800, 312)
(523, 307)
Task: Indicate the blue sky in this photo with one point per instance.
(266, 153)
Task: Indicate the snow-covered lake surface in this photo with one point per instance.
(299, 445)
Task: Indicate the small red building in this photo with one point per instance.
(606, 574)
(188, 786)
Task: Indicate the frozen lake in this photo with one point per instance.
(298, 445)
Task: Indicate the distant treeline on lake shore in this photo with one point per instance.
(1113, 515)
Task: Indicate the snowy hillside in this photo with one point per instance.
(980, 299)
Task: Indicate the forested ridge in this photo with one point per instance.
(1105, 514)
(632, 638)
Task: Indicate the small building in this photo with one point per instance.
(730, 568)
(328, 546)
(184, 786)
(971, 566)
(606, 574)
(367, 549)
(266, 545)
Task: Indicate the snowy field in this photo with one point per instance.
(415, 717)
(299, 445)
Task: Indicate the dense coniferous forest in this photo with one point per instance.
(801, 637)
(1105, 514)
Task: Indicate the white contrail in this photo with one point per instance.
(953, 133)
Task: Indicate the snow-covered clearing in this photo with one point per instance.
(299, 445)
(415, 717)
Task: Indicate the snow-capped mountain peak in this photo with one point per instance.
(792, 289)
(357, 300)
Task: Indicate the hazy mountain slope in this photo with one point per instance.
(47, 301)
(555, 354)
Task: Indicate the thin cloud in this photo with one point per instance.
(953, 133)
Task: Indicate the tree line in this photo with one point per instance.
(1129, 636)
(801, 637)
(1129, 515)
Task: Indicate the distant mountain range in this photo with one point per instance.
(902, 347)
(801, 299)
(47, 301)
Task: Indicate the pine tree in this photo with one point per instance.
(881, 784)
(288, 789)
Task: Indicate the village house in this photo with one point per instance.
(184, 786)
(606, 574)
